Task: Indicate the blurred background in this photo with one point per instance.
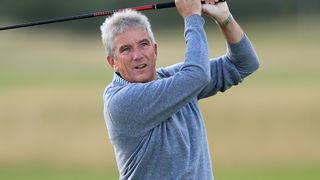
(52, 78)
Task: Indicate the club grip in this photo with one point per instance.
(172, 4)
(164, 5)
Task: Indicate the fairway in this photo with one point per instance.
(261, 173)
(51, 109)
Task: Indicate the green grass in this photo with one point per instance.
(51, 86)
(46, 173)
(268, 173)
(308, 172)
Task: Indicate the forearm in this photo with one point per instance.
(240, 51)
(196, 56)
(231, 30)
(230, 69)
(220, 13)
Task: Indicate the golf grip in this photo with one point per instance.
(172, 4)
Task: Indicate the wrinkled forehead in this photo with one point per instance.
(131, 36)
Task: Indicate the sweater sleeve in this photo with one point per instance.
(138, 107)
(228, 70)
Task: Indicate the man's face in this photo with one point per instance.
(134, 56)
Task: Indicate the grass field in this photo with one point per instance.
(51, 121)
(261, 173)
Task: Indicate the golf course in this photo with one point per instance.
(51, 108)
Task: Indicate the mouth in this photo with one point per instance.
(141, 66)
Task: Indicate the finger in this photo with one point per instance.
(209, 1)
(212, 2)
(207, 8)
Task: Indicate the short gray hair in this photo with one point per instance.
(118, 23)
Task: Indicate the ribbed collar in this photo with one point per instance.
(118, 79)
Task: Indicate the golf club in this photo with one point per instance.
(96, 14)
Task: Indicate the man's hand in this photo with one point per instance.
(188, 7)
(217, 11)
(221, 14)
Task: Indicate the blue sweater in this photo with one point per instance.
(156, 128)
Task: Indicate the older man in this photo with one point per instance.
(152, 115)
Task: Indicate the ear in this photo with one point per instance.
(111, 62)
(155, 48)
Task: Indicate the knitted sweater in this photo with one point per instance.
(156, 128)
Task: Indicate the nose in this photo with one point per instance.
(137, 55)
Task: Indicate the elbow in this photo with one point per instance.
(203, 76)
(252, 64)
(249, 69)
(206, 78)
(197, 74)
(256, 65)
(254, 59)
(200, 79)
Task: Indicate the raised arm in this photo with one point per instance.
(240, 60)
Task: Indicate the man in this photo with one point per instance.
(152, 116)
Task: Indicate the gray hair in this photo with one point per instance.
(118, 23)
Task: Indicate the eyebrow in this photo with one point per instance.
(124, 46)
(141, 41)
(145, 40)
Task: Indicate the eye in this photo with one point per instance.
(124, 49)
(144, 43)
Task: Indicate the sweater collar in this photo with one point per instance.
(118, 79)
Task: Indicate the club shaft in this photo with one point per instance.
(91, 15)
